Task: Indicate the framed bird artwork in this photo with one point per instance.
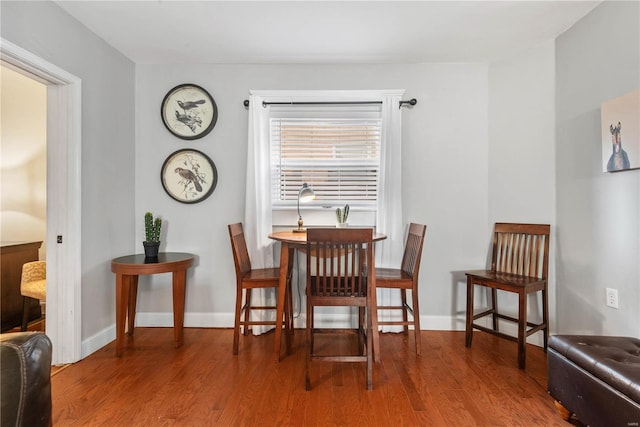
(189, 176)
(189, 112)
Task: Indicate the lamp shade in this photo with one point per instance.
(305, 194)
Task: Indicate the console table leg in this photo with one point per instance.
(123, 284)
(179, 289)
(133, 298)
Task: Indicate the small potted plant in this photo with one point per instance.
(152, 235)
(341, 216)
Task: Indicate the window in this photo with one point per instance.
(335, 149)
(345, 143)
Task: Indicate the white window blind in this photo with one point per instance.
(338, 157)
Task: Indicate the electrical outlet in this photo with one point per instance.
(612, 297)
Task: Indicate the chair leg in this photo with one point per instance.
(405, 316)
(236, 323)
(247, 311)
(309, 336)
(25, 313)
(369, 328)
(522, 325)
(311, 325)
(494, 304)
(289, 288)
(291, 319)
(416, 319)
(43, 310)
(373, 302)
(545, 317)
(469, 324)
(288, 319)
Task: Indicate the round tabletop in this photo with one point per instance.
(301, 238)
(140, 264)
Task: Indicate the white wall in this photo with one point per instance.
(108, 143)
(444, 172)
(598, 213)
(522, 153)
(522, 137)
(23, 144)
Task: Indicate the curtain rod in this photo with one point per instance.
(410, 102)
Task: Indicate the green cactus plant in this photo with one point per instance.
(152, 228)
(342, 214)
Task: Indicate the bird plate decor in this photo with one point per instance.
(189, 112)
(189, 176)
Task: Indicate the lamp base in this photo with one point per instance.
(299, 230)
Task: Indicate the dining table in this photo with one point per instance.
(289, 242)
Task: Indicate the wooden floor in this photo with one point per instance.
(203, 384)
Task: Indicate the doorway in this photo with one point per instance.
(63, 212)
(23, 180)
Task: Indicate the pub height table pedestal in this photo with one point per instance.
(127, 270)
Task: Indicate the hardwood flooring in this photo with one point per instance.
(203, 384)
(34, 325)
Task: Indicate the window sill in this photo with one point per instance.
(321, 218)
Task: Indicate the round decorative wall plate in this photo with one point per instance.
(189, 112)
(189, 176)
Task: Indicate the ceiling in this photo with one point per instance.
(311, 32)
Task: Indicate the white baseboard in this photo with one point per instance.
(442, 323)
(191, 320)
(97, 341)
(225, 320)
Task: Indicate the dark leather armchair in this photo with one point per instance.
(25, 377)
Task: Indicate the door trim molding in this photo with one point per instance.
(64, 208)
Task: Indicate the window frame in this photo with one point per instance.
(364, 167)
(317, 214)
(321, 212)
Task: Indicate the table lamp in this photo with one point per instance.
(305, 194)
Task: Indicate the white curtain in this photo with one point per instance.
(257, 216)
(258, 213)
(389, 219)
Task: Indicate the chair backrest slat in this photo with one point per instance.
(342, 258)
(240, 251)
(521, 249)
(413, 249)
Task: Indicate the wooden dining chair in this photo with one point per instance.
(33, 285)
(519, 264)
(405, 278)
(339, 264)
(248, 279)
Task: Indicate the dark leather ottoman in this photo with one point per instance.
(595, 378)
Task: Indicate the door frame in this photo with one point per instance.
(64, 208)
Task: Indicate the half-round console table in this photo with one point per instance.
(127, 270)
